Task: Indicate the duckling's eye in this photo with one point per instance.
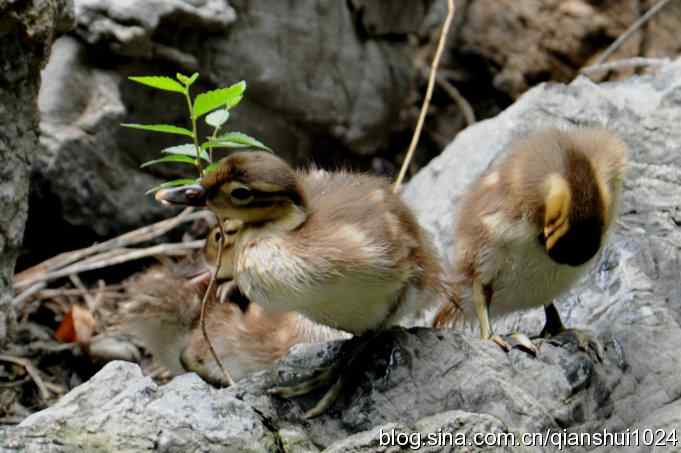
(241, 196)
(217, 236)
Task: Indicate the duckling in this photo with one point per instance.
(165, 312)
(531, 225)
(247, 339)
(340, 248)
(161, 313)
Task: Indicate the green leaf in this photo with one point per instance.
(173, 183)
(187, 81)
(186, 150)
(159, 82)
(167, 128)
(171, 158)
(217, 118)
(212, 144)
(210, 168)
(238, 140)
(233, 102)
(210, 100)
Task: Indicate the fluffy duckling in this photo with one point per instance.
(532, 224)
(340, 248)
(165, 311)
(161, 313)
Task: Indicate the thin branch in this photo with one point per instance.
(143, 234)
(114, 257)
(625, 63)
(461, 102)
(429, 94)
(26, 294)
(31, 370)
(78, 283)
(204, 304)
(108, 291)
(630, 31)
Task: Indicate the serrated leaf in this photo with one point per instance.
(159, 82)
(233, 102)
(217, 118)
(211, 144)
(187, 80)
(166, 128)
(171, 158)
(211, 100)
(173, 183)
(186, 150)
(239, 138)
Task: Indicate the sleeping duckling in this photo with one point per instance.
(340, 248)
(532, 224)
(165, 310)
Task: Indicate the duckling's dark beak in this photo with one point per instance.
(194, 195)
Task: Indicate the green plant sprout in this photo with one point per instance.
(216, 105)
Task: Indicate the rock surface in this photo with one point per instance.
(26, 33)
(430, 381)
(314, 77)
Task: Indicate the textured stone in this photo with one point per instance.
(26, 33)
(318, 89)
(423, 380)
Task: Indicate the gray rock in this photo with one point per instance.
(81, 108)
(445, 381)
(317, 88)
(26, 33)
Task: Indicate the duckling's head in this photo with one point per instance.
(231, 229)
(575, 212)
(252, 186)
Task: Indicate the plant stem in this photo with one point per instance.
(204, 304)
(451, 8)
(210, 148)
(194, 134)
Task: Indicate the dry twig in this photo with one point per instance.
(461, 102)
(625, 63)
(204, 304)
(429, 94)
(111, 258)
(630, 31)
(143, 234)
(31, 371)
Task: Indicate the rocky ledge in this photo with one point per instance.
(430, 381)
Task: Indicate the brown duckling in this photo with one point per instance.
(532, 224)
(340, 248)
(165, 312)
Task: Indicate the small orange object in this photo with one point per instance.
(78, 325)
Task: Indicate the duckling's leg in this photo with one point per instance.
(335, 375)
(482, 296)
(554, 327)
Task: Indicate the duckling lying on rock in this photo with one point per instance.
(340, 248)
(165, 310)
(531, 225)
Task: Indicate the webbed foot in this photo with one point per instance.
(556, 333)
(336, 375)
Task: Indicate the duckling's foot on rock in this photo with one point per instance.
(515, 340)
(556, 333)
(336, 375)
(583, 339)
